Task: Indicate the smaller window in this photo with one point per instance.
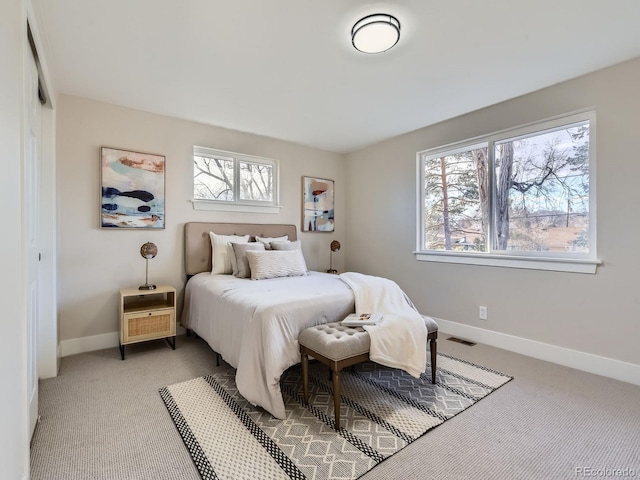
(226, 179)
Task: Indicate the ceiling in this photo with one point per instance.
(286, 68)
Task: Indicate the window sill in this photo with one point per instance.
(552, 264)
(234, 207)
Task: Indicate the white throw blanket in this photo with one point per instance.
(400, 339)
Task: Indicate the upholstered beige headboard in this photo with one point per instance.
(197, 243)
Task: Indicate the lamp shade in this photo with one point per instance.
(148, 250)
(375, 33)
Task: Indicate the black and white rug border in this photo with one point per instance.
(195, 449)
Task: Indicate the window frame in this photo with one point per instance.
(569, 262)
(238, 205)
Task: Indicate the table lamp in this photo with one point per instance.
(335, 246)
(148, 251)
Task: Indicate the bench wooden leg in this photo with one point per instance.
(433, 347)
(335, 367)
(336, 397)
(305, 376)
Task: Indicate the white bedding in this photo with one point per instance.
(255, 325)
(399, 340)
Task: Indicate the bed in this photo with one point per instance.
(254, 324)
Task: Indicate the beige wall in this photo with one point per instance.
(375, 217)
(598, 314)
(95, 263)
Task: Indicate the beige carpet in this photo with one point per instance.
(103, 419)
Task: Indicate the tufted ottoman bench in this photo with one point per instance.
(338, 346)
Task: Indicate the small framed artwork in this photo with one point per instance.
(132, 185)
(317, 204)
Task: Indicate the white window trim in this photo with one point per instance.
(532, 263)
(585, 263)
(216, 206)
(239, 205)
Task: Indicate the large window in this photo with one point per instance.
(222, 179)
(522, 198)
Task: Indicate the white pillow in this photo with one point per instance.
(289, 246)
(220, 255)
(276, 263)
(267, 240)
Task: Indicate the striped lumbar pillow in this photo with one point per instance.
(276, 263)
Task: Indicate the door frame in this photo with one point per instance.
(47, 329)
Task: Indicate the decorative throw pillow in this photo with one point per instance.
(240, 254)
(267, 240)
(285, 245)
(289, 246)
(220, 254)
(274, 264)
(232, 256)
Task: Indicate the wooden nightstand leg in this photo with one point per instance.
(121, 351)
(172, 345)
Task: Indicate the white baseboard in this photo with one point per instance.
(608, 367)
(89, 344)
(95, 342)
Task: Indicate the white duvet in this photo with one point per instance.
(255, 325)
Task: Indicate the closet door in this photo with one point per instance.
(30, 225)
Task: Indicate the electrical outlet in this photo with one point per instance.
(483, 312)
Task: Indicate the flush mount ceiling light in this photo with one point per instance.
(375, 33)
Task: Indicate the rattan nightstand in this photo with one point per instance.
(147, 315)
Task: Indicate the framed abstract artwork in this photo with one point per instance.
(132, 185)
(317, 204)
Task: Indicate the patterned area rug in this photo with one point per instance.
(383, 410)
